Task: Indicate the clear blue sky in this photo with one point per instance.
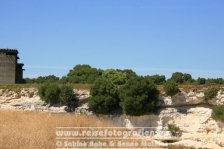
(148, 36)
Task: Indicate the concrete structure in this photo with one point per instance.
(11, 71)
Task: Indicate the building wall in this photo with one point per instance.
(19, 73)
(8, 68)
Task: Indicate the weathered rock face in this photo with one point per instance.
(181, 99)
(197, 127)
(28, 100)
(6, 94)
(189, 98)
(219, 99)
(187, 110)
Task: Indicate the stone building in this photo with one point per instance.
(11, 71)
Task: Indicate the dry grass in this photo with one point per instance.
(199, 87)
(194, 87)
(26, 130)
(18, 87)
(82, 86)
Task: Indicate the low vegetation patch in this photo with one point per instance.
(218, 112)
(211, 93)
(17, 87)
(174, 130)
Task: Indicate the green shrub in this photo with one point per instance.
(138, 96)
(53, 94)
(64, 80)
(171, 88)
(68, 98)
(104, 97)
(201, 81)
(218, 112)
(116, 76)
(180, 78)
(211, 93)
(157, 79)
(49, 93)
(174, 130)
(83, 74)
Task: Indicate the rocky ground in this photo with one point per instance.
(187, 110)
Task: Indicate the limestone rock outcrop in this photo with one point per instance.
(189, 98)
(27, 99)
(187, 110)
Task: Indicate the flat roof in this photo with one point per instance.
(9, 51)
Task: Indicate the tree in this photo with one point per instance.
(138, 96)
(171, 88)
(129, 73)
(157, 79)
(68, 98)
(180, 78)
(83, 74)
(187, 78)
(104, 97)
(201, 81)
(116, 76)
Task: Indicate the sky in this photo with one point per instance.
(148, 36)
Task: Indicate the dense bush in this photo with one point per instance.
(138, 96)
(171, 88)
(181, 78)
(64, 80)
(104, 97)
(174, 130)
(218, 112)
(128, 72)
(83, 74)
(201, 81)
(49, 93)
(68, 98)
(157, 79)
(53, 94)
(116, 76)
(211, 93)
